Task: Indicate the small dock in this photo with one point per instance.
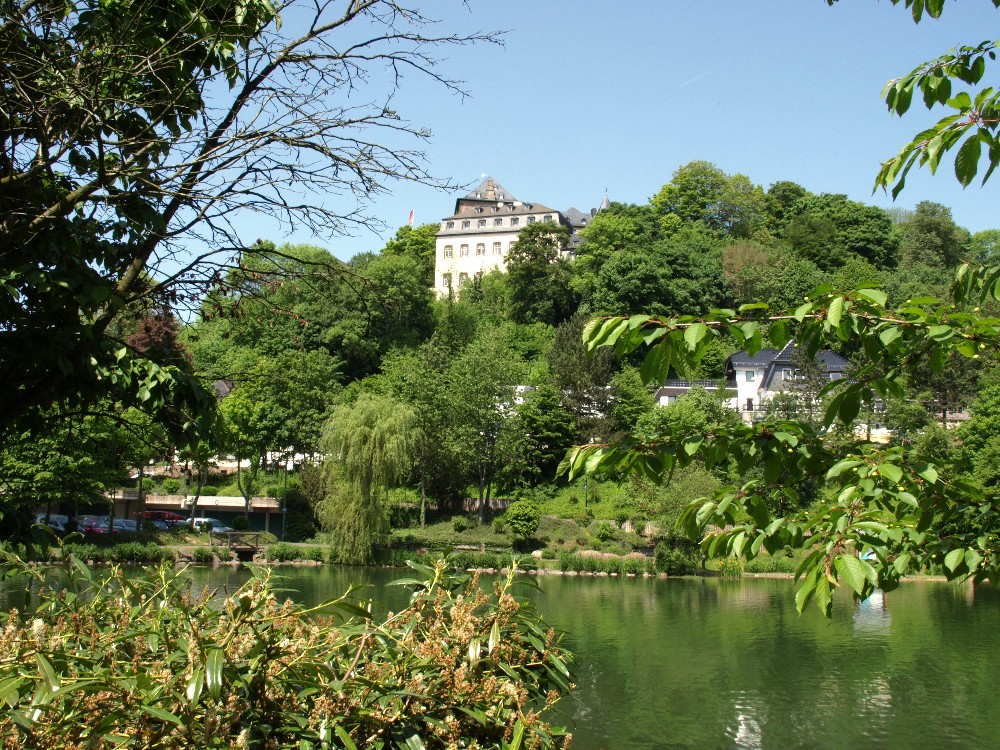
(246, 544)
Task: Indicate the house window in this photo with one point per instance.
(497, 249)
(531, 219)
(547, 217)
(786, 374)
(480, 248)
(463, 279)
(466, 224)
(515, 221)
(450, 225)
(749, 376)
(463, 251)
(498, 222)
(449, 251)
(446, 280)
(749, 405)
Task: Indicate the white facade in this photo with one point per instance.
(477, 238)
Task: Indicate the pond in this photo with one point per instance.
(709, 663)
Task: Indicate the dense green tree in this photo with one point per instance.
(253, 427)
(539, 275)
(632, 281)
(984, 246)
(931, 237)
(583, 381)
(372, 442)
(619, 228)
(548, 430)
(780, 199)
(419, 378)
(418, 244)
(482, 380)
(856, 228)
(693, 192)
(701, 192)
(815, 239)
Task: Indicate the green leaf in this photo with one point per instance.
(967, 160)
(841, 466)
(954, 558)
(834, 313)
(47, 672)
(891, 472)
(902, 563)
(694, 333)
(162, 715)
(852, 571)
(213, 671)
(344, 737)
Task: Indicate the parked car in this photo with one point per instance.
(220, 529)
(205, 524)
(126, 524)
(168, 517)
(54, 521)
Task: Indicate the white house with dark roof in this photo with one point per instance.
(478, 236)
(751, 381)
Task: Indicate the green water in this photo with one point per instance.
(692, 663)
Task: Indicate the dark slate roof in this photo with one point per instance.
(490, 190)
(762, 358)
(577, 218)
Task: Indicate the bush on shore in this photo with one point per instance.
(103, 658)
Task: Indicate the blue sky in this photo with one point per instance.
(594, 96)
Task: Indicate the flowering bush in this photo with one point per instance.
(107, 661)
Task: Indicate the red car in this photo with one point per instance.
(164, 515)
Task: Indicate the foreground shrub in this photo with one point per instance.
(109, 659)
(675, 561)
(203, 555)
(730, 567)
(577, 563)
(133, 553)
(283, 552)
(769, 564)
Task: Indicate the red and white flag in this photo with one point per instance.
(411, 217)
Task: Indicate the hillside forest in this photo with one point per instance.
(393, 403)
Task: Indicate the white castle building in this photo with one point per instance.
(478, 236)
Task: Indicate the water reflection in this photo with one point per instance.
(730, 664)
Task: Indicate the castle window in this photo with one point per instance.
(463, 251)
(449, 251)
(547, 217)
(497, 249)
(479, 209)
(498, 222)
(482, 222)
(531, 219)
(480, 248)
(466, 224)
(515, 221)
(446, 280)
(463, 279)
(450, 225)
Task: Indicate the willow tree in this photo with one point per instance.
(371, 445)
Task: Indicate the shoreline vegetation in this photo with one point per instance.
(463, 665)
